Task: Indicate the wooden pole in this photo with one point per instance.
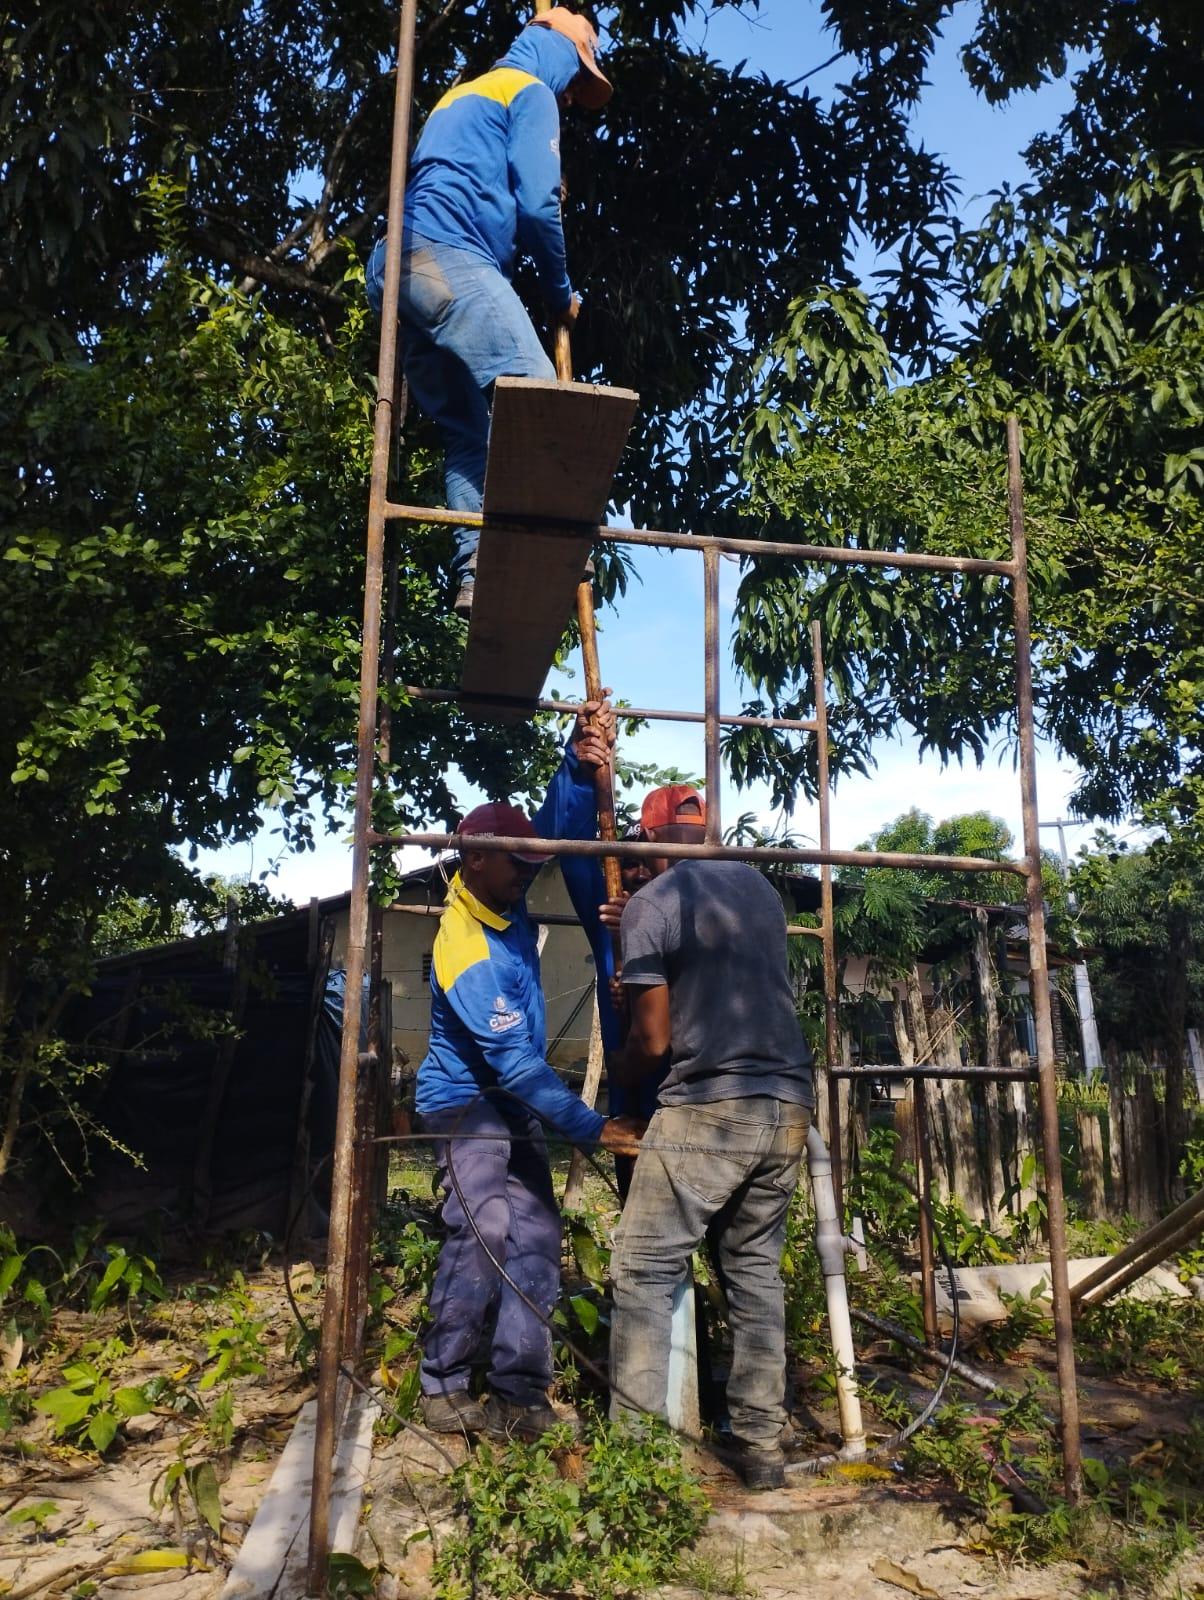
(603, 779)
(574, 1186)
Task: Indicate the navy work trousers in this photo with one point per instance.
(502, 1178)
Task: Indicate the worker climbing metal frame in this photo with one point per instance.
(352, 1181)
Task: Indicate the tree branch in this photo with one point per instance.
(260, 269)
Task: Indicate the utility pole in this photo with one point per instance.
(1093, 1060)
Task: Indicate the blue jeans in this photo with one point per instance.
(462, 326)
(732, 1164)
(501, 1166)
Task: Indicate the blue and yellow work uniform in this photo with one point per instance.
(483, 1088)
(485, 182)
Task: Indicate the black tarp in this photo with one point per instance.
(217, 1122)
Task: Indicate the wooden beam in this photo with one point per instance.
(271, 1564)
(554, 449)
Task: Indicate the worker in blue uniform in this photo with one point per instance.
(485, 1091)
(485, 182)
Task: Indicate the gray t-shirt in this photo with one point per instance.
(715, 932)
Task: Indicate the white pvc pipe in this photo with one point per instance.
(832, 1246)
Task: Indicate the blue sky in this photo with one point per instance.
(651, 649)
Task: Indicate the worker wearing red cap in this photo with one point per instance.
(485, 182)
(710, 998)
(485, 1090)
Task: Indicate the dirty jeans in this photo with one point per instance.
(501, 1166)
(736, 1162)
(462, 326)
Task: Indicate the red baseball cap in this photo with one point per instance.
(661, 808)
(504, 821)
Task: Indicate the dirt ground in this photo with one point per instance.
(103, 1515)
(77, 1524)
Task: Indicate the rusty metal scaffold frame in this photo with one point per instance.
(353, 1180)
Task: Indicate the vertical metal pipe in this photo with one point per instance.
(1072, 1469)
(710, 567)
(357, 934)
(827, 921)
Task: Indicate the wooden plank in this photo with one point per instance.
(554, 449)
(271, 1564)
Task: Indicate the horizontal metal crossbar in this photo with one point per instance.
(933, 1069)
(562, 919)
(603, 533)
(697, 852)
(626, 713)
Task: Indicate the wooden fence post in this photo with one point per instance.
(1091, 1162)
(957, 1116)
(1116, 1129)
(987, 1094)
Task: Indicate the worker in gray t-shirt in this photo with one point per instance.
(708, 990)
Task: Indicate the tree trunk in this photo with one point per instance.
(12, 1117)
(916, 1019)
(986, 992)
(957, 1117)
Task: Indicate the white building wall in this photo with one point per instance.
(567, 965)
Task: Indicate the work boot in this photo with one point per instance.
(456, 1412)
(506, 1419)
(761, 1468)
(464, 574)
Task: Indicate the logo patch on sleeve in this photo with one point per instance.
(502, 1018)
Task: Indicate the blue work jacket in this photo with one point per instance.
(488, 1022)
(485, 175)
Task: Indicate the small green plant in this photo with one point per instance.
(219, 1421)
(349, 1576)
(714, 1577)
(881, 1192)
(126, 1277)
(1160, 1339)
(970, 1243)
(802, 1278)
(88, 1405)
(399, 1375)
(39, 1514)
(1134, 1526)
(405, 1244)
(235, 1349)
(16, 1404)
(199, 1480)
(1192, 1165)
(1023, 1224)
(607, 1514)
(1027, 1318)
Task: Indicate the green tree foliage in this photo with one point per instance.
(700, 202)
(1141, 916)
(1080, 304)
(182, 563)
(897, 916)
(1115, 518)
